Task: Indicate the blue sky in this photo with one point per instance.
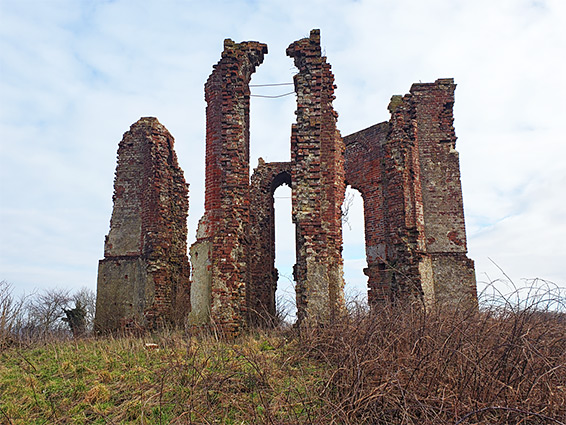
(74, 75)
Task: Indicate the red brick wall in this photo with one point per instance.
(227, 198)
(148, 234)
(318, 185)
(365, 172)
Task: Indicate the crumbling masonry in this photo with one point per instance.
(143, 279)
(406, 169)
(408, 173)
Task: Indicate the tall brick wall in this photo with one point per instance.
(364, 167)
(219, 256)
(317, 174)
(407, 170)
(144, 276)
(266, 178)
(444, 233)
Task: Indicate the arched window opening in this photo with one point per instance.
(354, 253)
(284, 254)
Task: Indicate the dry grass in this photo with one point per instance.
(460, 367)
(500, 365)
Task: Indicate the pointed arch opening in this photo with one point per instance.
(354, 254)
(265, 307)
(285, 297)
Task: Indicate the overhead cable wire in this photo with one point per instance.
(272, 97)
(271, 85)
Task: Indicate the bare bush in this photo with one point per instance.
(11, 311)
(502, 365)
(44, 314)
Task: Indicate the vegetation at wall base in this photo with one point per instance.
(398, 366)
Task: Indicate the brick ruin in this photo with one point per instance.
(406, 169)
(408, 172)
(144, 276)
(220, 254)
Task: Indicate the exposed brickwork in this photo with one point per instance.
(364, 167)
(266, 178)
(453, 275)
(144, 276)
(223, 227)
(408, 172)
(406, 169)
(317, 157)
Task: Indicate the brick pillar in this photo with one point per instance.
(451, 275)
(219, 256)
(143, 279)
(317, 156)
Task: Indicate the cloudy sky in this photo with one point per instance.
(74, 75)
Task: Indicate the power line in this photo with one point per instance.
(271, 85)
(272, 97)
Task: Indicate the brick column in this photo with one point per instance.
(219, 256)
(317, 156)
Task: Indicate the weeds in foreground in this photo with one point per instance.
(499, 365)
(459, 367)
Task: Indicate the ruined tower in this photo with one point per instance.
(406, 169)
(317, 175)
(220, 255)
(143, 279)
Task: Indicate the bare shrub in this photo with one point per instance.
(503, 364)
(11, 311)
(45, 315)
(500, 364)
(44, 312)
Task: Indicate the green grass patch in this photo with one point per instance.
(396, 367)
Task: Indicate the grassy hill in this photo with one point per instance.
(400, 366)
